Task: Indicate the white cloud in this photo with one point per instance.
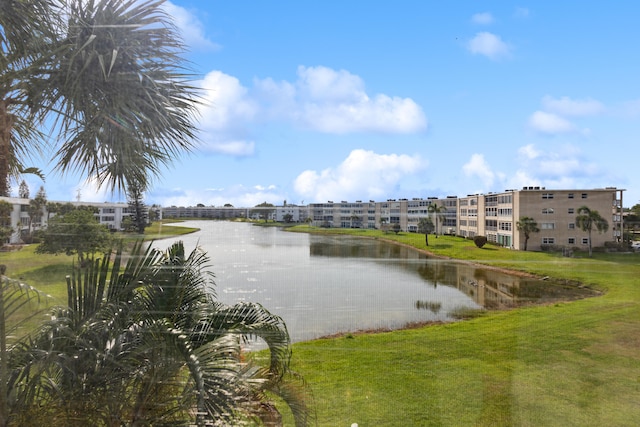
(562, 167)
(331, 101)
(566, 106)
(226, 102)
(529, 152)
(237, 195)
(232, 148)
(484, 18)
(489, 45)
(321, 99)
(522, 12)
(550, 124)
(225, 115)
(90, 191)
(363, 174)
(191, 28)
(478, 167)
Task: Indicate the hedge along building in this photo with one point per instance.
(495, 215)
(109, 214)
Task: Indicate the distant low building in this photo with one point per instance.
(109, 214)
(224, 212)
(494, 215)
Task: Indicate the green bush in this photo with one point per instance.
(480, 241)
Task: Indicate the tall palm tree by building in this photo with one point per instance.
(425, 226)
(527, 225)
(588, 220)
(109, 73)
(437, 212)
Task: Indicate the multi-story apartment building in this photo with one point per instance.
(293, 213)
(494, 215)
(109, 214)
(201, 211)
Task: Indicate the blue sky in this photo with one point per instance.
(309, 101)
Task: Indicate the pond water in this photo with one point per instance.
(322, 285)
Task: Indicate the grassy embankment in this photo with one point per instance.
(47, 272)
(567, 364)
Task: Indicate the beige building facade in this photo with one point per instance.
(496, 216)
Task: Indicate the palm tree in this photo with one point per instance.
(587, 220)
(147, 344)
(527, 225)
(19, 303)
(109, 73)
(437, 212)
(425, 226)
(26, 29)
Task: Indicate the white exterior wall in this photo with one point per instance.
(109, 214)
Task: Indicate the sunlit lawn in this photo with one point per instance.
(47, 272)
(567, 364)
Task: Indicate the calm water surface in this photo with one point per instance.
(322, 285)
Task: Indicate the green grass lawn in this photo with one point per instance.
(567, 364)
(47, 272)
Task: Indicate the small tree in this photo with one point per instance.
(23, 190)
(384, 226)
(587, 220)
(396, 228)
(139, 216)
(264, 210)
(425, 226)
(77, 232)
(5, 221)
(527, 225)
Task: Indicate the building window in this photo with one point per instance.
(547, 226)
(505, 226)
(584, 195)
(548, 240)
(547, 211)
(547, 195)
(570, 211)
(585, 240)
(571, 241)
(572, 226)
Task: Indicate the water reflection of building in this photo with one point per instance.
(497, 293)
